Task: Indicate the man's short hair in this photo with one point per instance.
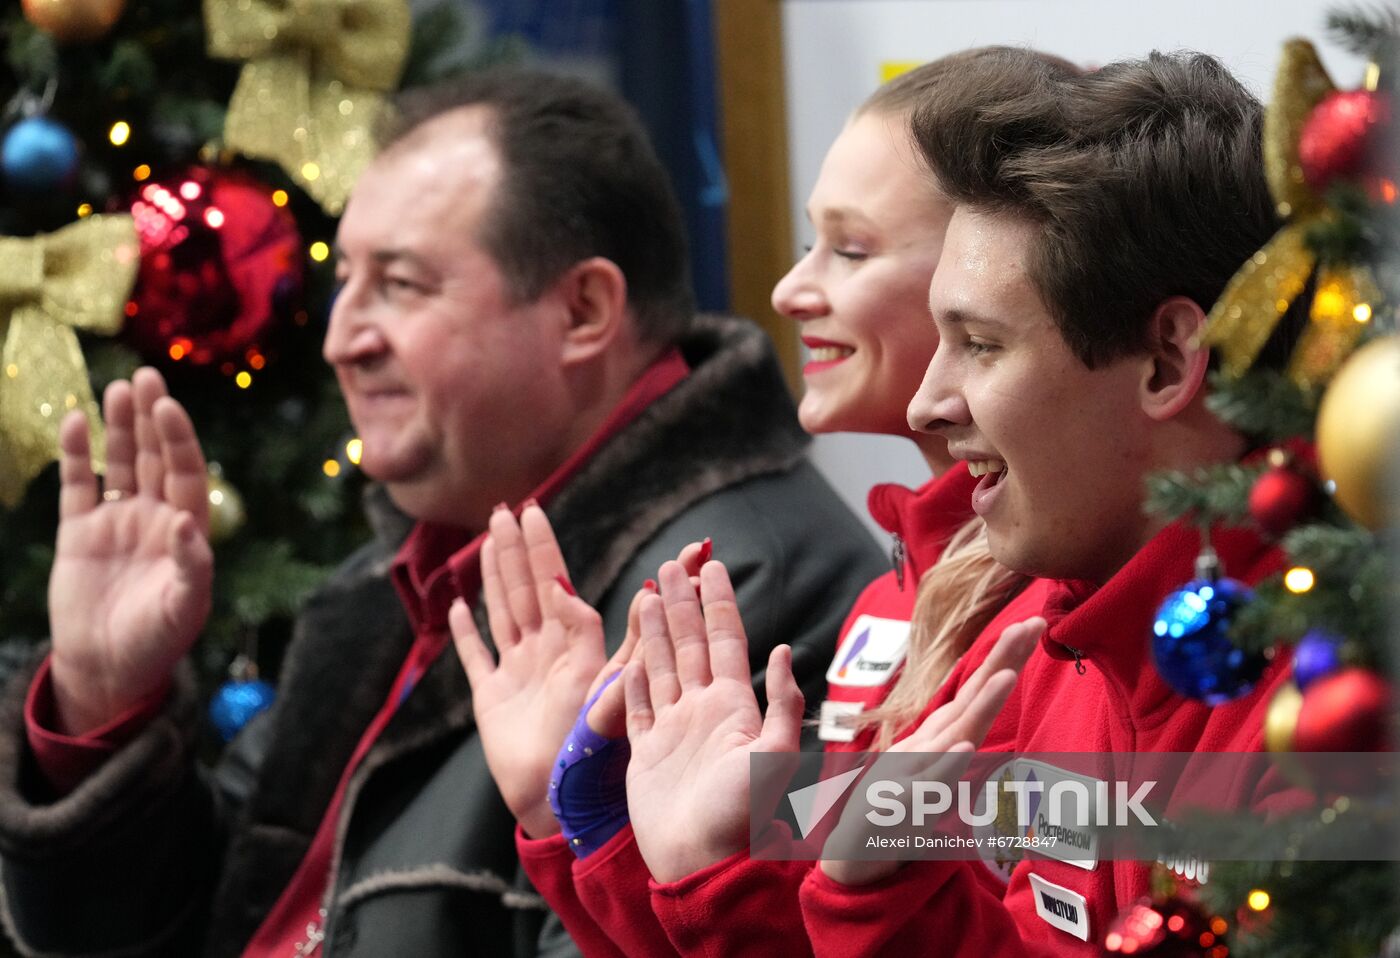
(580, 179)
(1145, 178)
(945, 77)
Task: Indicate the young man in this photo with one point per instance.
(1098, 218)
(514, 324)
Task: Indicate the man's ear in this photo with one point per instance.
(594, 294)
(1177, 361)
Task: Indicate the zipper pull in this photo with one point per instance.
(1078, 654)
(897, 555)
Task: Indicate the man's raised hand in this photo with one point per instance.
(132, 577)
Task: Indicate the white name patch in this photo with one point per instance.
(1060, 907)
(838, 721)
(874, 648)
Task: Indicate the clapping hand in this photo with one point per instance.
(132, 577)
(693, 720)
(958, 727)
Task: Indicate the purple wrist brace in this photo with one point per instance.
(588, 790)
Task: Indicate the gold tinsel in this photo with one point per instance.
(78, 277)
(314, 80)
(1257, 296)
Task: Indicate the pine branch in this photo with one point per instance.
(1316, 908)
(1215, 494)
(130, 70)
(1363, 30)
(1348, 599)
(1265, 404)
(1348, 233)
(31, 53)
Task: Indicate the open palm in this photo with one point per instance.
(551, 653)
(130, 587)
(693, 721)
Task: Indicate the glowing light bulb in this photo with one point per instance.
(1299, 579)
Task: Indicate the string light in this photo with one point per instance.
(320, 251)
(1299, 579)
(331, 468)
(1362, 313)
(84, 209)
(119, 133)
(353, 450)
(310, 171)
(279, 197)
(244, 379)
(141, 173)
(1258, 899)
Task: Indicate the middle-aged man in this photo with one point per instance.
(514, 323)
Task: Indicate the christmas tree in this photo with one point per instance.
(1320, 302)
(177, 171)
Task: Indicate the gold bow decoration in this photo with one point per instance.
(76, 278)
(314, 80)
(1257, 297)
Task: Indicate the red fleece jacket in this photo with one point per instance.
(744, 907)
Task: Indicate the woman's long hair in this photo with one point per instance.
(958, 595)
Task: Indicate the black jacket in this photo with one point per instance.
(152, 855)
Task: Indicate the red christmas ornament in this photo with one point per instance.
(220, 269)
(1281, 498)
(1174, 928)
(1347, 711)
(1342, 136)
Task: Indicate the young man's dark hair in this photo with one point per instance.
(581, 179)
(1145, 179)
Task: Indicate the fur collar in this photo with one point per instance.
(731, 419)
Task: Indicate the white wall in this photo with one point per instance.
(835, 49)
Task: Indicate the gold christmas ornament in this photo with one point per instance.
(1280, 727)
(73, 21)
(1341, 308)
(1261, 292)
(78, 277)
(314, 80)
(1358, 426)
(1281, 719)
(226, 511)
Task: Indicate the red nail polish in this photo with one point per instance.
(530, 502)
(500, 506)
(707, 549)
(649, 585)
(564, 583)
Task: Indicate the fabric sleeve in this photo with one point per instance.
(612, 884)
(924, 908)
(548, 863)
(125, 861)
(737, 908)
(65, 760)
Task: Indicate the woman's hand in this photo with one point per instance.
(693, 720)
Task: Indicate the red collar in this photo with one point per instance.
(1089, 617)
(925, 518)
(439, 562)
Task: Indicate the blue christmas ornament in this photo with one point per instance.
(1189, 644)
(38, 154)
(1317, 654)
(236, 703)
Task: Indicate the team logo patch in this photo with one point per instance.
(1059, 804)
(874, 648)
(1060, 907)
